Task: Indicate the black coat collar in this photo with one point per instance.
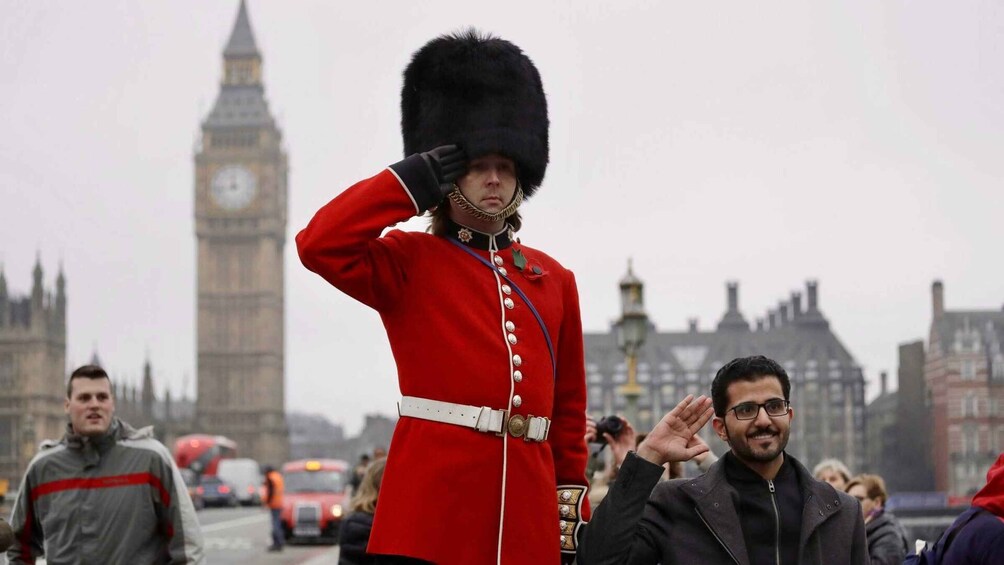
(479, 240)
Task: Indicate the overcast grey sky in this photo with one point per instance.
(857, 143)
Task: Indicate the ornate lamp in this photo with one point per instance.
(632, 329)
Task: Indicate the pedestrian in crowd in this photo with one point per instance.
(606, 473)
(756, 504)
(6, 535)
(275, 488)
(488, 458)
(834, 472)
(977, 536)
(354, 534)
(359, 470)
(105, 493)
(887, 539)
(379, 453)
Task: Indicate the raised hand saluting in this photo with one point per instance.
(674, 438)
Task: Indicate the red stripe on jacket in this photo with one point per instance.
(110, 481)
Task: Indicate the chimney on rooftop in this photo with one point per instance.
(733, 304)
(782, 313)
(883, 383)
(692, 325)
(759, 324)
(811, 292)
(772, 319)
(938, 298)
(796, 305)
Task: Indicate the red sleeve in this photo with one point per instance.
(342, 242)
(568, 423)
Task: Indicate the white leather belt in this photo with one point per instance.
(480, 418)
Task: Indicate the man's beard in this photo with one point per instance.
(743, 449)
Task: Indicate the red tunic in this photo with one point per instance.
(452, 494)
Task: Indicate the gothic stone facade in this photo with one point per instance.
(827, 385)
(32, 366)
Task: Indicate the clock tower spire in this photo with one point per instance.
(240, 229)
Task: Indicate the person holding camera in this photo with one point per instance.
(756, 505)
(620, 435)
(487, 462)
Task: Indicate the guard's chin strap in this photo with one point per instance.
(466, 205)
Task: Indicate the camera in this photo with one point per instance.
(612, 425)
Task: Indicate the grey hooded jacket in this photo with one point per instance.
(117, 498)
(695, 521)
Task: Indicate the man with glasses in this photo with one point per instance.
(756, 505)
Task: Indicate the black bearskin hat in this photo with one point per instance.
(482, 93)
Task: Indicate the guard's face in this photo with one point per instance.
(90, 406)
(763, 438)
(490, 182)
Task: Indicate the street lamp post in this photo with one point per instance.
(631, 330)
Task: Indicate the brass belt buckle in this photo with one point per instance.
(517, 425)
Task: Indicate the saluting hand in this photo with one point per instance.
(447, 163)
(674, 438)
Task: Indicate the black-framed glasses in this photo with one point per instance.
(749, 410)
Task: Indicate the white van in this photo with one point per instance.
(244, 476)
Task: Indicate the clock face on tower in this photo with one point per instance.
(233, 187)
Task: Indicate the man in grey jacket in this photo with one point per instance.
(106, 493)
(756, 505)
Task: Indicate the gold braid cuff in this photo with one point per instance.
(570, 498)
(466, 205)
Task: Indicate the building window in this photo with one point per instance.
(8, 443)
(7, 371)
(970, 405)
(837, 393)
(596, 397)
(970, 439)
(668, 395)
(595, 378)
(968, 370)
(646, 397)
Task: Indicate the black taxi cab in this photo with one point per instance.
(315, 500)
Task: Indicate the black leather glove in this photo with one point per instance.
(447, 163)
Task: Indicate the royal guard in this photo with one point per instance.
(487, 463)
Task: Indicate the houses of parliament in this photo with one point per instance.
(240, 211)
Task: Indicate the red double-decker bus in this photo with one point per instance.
(202, 453)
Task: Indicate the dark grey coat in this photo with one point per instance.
(694, 521)
(887, 544)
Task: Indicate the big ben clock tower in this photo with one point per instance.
(240, 229)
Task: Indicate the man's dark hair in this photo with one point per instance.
(751, 369)
(85, 372)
